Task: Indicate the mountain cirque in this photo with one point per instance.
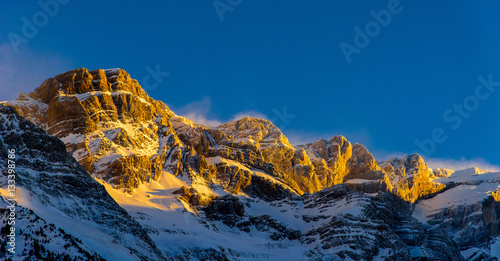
(327, 200)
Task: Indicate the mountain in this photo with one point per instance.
(238, 191)
(55, 194)
(108, 123)
(468, 210)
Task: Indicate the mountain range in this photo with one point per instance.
(105, 172)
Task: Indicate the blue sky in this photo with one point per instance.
(270, 58)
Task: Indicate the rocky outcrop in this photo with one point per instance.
(466, 209)
(242, 179)
(337, 161)
(410, 177)
(443, 173)
(228, 209)
(255, 143)
(336, 153)
(122, 136)
(49, 178)
(193, 197)
(107, 121)
(265, 223)
(254, 131)
(370, 228)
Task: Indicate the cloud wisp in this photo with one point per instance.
(199, 112)
(462, 163)
(26, 70)
(434, 163)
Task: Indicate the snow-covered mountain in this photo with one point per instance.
(58, 201)
(108, 172)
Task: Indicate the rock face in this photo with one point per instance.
(51, 182)
(338, 161)
(355, 226)
(247, 145)
(180, 181)
(122, 136)
(410, 177)
(36, 233)
(107, 121)
(443, 173)
(332, 158)
(467, 210)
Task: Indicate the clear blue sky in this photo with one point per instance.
(267, 55)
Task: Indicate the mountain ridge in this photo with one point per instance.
(84, 102)
(222, 178)
(51, 182)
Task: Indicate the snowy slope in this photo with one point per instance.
(44, 239)
(56, 188)
(467, 210)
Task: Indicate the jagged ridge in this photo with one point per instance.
(125, 138)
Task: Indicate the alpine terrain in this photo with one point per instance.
(101, 171)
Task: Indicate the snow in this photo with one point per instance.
(36, 107)
(360, 181)
(471, 175)
(84, 96)
(155, 194)
(313, 155)
(104, 148)
(495, 248)
(112, 70)
(229, 162)
(473, 185)
(174, 227)
(155, 207)
(94, 239)
(218, 159)
(72, 138)
(457, 196)
(415, 251)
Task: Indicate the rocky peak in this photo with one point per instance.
(362, 161)
(78, 100)
(258, 132)
(49, 180)
(344, 161)
(107, 121)
(443, 173)
(81, 81)
(337, 146)
(410, 177)
(124, 137)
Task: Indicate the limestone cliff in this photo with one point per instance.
(122, 136)
(108, 123)
(410, 177)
